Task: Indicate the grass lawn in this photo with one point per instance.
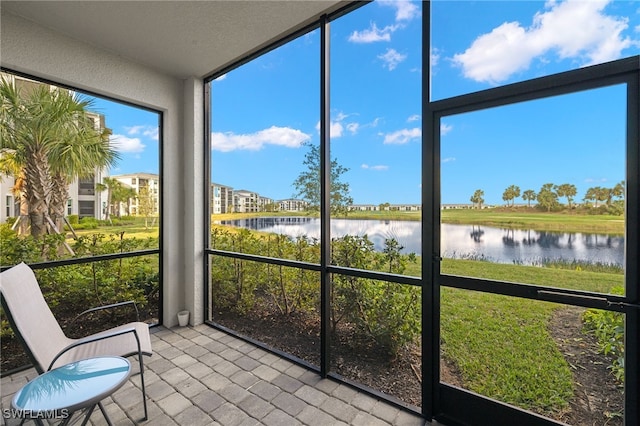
(524, 219)
(501, 344)
(131, 230)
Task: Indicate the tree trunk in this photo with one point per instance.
(58, 203)
(108, 211)
(38, 187)
(23, 226)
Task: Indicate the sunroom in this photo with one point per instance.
(331, 190)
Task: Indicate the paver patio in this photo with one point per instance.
(203, 376)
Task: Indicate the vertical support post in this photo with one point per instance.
(430, 232)
(325, 201)
(632, 251)
(207, 200)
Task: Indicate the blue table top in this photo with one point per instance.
(73, 386)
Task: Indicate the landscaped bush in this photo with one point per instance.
(292, 289)
(87, 223)
(71, 289)
(608, 327)
(234, 281)
(15, 249)
(388, 313)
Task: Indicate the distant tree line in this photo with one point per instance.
(599, 199)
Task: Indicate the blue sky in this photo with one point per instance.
(264, 111)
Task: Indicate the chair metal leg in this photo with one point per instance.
(144, 393)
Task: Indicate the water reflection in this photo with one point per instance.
(495, 244)
(529, 246)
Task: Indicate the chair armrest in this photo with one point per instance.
(100, 308)
(92, 339)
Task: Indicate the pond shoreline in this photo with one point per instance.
(516, 218)
(480, 242)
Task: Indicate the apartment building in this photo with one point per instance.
(245, 201)
(292, 205)
(140, 182)
(221, 199)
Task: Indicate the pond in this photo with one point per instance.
(458, 241)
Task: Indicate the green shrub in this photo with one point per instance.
(73, 288)
(387, 312)
(291, 289)
(87, 223)
(608, 328)
(234, 281)
(15, 248)
(616, 208)
(73, 219)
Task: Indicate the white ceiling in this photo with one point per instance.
(179, 38)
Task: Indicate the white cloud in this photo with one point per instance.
(338, 125)
(222, 77)
(445, 128)
(392, 58)
(402, 136)
(379, 167)
(280, 136)
(573, 29)
(448, 159)
(335, 130)
(373, 34)
(151, 132)
(122, 143)
(414, 117)
(353, 128)
(405, 10)
(435, 56)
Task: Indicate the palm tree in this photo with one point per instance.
(510, 194)
(54, 141)
(10, 167)
(547, 197)
(567, 190)
(619, 190)
(596, 194)
(478, 198)
(112, 186)
(602, 194)
(529, 195)
(118, 193)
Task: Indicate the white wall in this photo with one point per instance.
(35, 50)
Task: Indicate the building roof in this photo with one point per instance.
(139, 174)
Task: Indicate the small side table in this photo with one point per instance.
(59, 393)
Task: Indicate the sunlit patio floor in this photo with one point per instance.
(203, 376)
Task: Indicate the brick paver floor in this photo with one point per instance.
(202, 376)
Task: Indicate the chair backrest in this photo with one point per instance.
(30, 316)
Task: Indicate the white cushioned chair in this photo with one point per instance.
(44, 340)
